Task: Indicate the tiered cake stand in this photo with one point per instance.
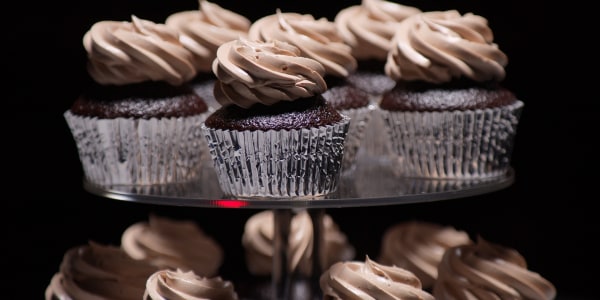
(374, 182)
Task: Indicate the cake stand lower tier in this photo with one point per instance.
(374, 182)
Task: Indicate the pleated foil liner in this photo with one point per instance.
(377, 140)
(126, 151)
(455, 144)
(359, 119)
(303, 163)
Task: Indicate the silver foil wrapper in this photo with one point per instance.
(454, 144)
(359, 120)
(303, 163)
(125, 151)
(377, 139)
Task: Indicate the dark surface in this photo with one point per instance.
(548, 214)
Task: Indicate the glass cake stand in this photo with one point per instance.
(373, 182)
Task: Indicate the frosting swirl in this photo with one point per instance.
(317, 39)
(203, 31)
(439, 46)
(179, 285)
(258, 239)
(122, 53)
(95, 271)
(419, 246)
(369, 27)
(264, 72)
(370, 280)
(173, 244)
(488, 271)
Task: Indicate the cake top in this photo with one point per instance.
(202, 31)
(140, 100)
(440, 46)
(173, 244)
(177, 284)
(459, 94)
(418, 246)
(369, 27)
(318, 39)
(484, 270)
(355, 280)
(265, 72)
(97, 271)
(347, 96)
(309, 113)
(121, 53)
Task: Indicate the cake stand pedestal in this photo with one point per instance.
(374, 182)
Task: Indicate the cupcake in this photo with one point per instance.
(448, 115)
(370, 280)
(418, 247)
(484, 270)
(319, 39)
(97, 271)
(202, 31)
(173, 244)
(258, 239)
(177, 284)
(138, 121)
(275, 136)
(368, 29)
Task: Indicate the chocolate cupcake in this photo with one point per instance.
(173, 244)
(138, 121)
(319, 39)
(418, 247)
(448, 115)
(275, 135)
(368, 29)
(177, 284)
(369, 279)
(258, 239)
(98, 271)
(484, 270)
(202, 31)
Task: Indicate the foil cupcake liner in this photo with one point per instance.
(126, 151)
(377, 139)
(454, 144)
(303, 163)
(359, 119)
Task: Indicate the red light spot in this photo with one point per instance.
(230, 203)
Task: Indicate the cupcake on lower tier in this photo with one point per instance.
(370, 280)
(177, 284)
(418, 246)
(97, 271)
(275, 135)
(173, 244)
(258, 239)
(484, 270)
(448, 115)
(138, 121)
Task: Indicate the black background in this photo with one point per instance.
(547, 214)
